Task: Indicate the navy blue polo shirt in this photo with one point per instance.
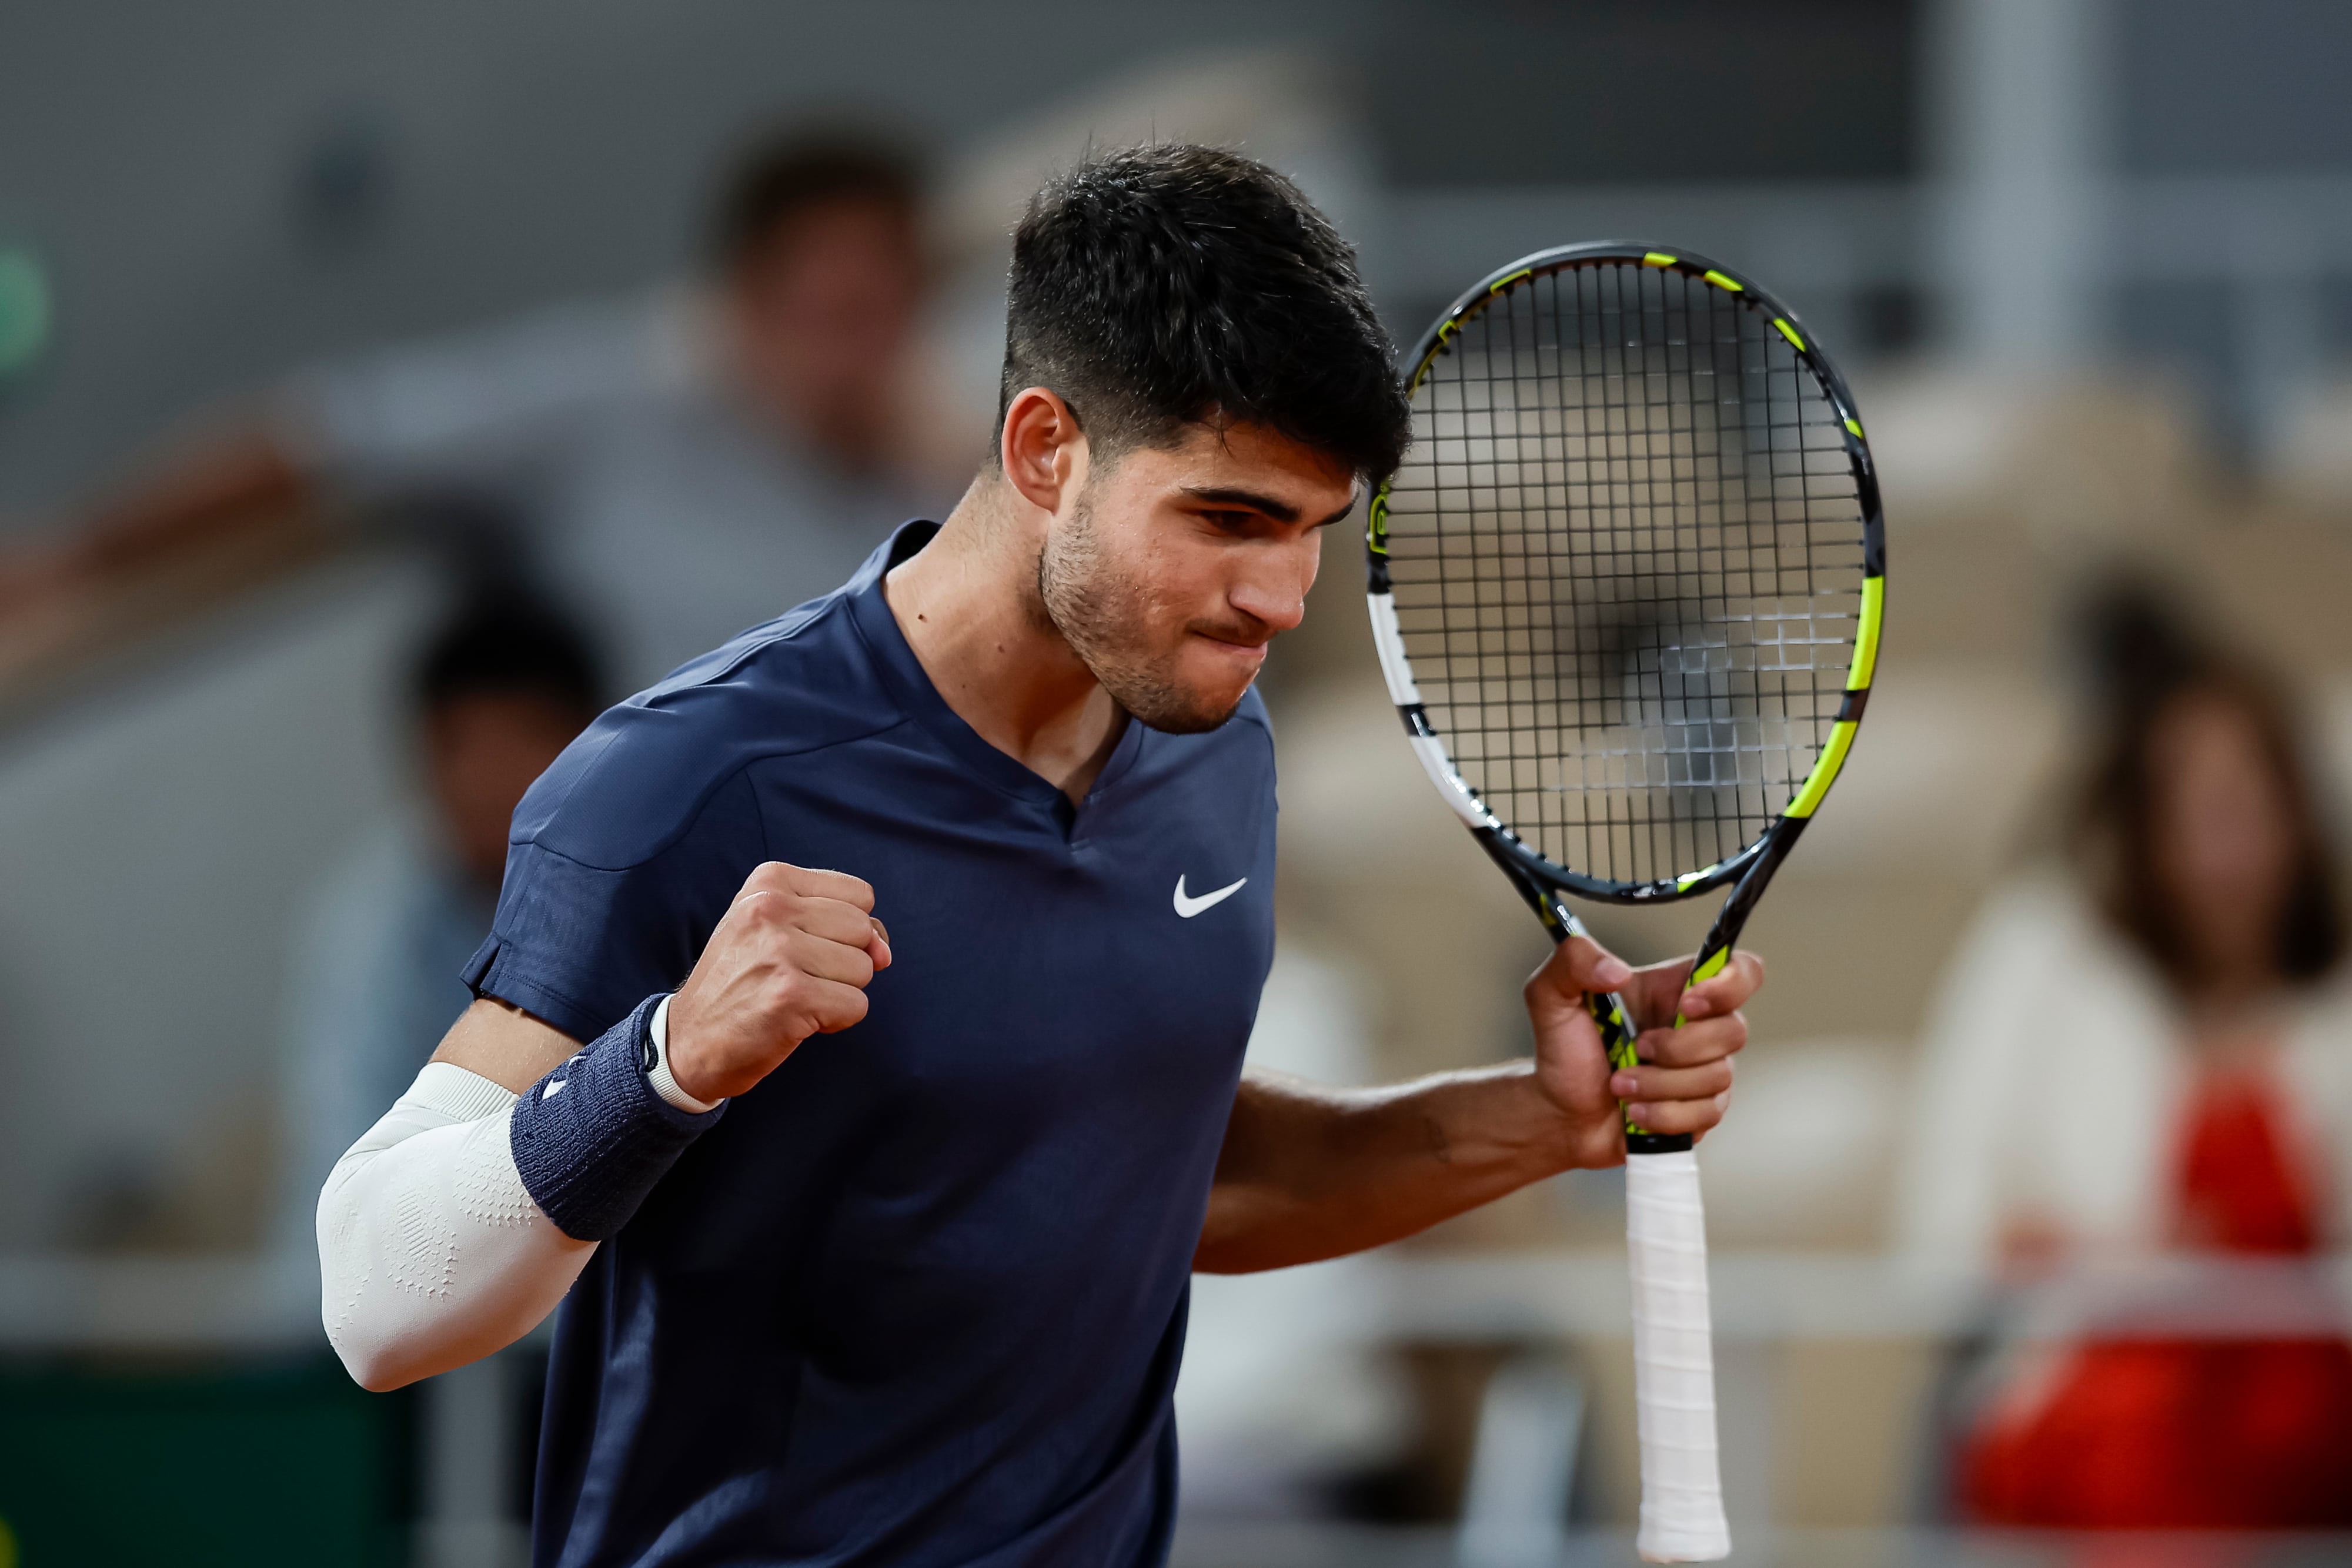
(919, 1298)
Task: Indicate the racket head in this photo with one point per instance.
(1628, 582)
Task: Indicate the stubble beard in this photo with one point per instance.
(1098, 612)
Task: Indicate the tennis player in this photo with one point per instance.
(916, 1295)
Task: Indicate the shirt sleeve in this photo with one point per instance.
(584, 934)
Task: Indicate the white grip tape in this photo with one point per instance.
(1673, 1362)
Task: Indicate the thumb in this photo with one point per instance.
(1580, 966)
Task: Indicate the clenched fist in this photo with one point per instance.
(791, 958)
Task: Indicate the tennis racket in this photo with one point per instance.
(1627, 587)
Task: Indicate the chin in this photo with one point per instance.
(1185, 711)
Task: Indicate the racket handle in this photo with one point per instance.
(1673, 1362)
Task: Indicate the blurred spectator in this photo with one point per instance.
(2143, 1062)
(501, 689)
(680, 464)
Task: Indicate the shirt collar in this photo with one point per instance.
(910, 685)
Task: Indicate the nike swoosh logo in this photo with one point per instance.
(1188, 907)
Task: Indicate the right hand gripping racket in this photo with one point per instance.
(1627, 587)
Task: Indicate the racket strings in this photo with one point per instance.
(1626, 555)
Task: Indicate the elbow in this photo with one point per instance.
(379, 1380)
(375, 1364)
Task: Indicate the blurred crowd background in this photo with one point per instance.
(383, 390)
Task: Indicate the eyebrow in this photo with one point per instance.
(1280, 511)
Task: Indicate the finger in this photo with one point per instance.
(823, 960)
(832, 1007)
(834, 884)
(1654, 1085)
(878, 947)
(1694, 1044)
(768, 876)
(1741, 979)
(1678, 1115)
(833, 920)
(1580, 964)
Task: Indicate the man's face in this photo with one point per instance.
(824, 310)
(1174, 568)
(482, 750)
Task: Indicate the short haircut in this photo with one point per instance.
(505, 641)
(787, 172)
(1173, 285)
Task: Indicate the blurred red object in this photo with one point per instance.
(2160, 1432)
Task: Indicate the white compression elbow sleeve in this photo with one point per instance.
(431, 1253)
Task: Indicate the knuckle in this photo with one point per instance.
(786, 1003)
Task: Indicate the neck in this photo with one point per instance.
(969, 606)
(2236, 962)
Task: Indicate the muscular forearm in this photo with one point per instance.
(1308, 1172)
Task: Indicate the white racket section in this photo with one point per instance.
(1673, 1362)
(1403, 691)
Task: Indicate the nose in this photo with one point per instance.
(1273, 587)
(1278, 606)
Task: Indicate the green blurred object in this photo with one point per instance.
(253, 1466)
(24, 321)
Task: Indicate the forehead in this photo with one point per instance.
(854, 219)
(1247, 458)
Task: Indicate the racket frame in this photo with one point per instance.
(1542, 880)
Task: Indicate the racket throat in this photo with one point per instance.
(1620, 1036)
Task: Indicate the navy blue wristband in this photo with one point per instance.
(592, 1137)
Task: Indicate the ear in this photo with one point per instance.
(1042, 449)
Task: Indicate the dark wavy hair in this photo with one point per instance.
(791, 169)
(1173, 285)
(2145, 660)
(504, 640)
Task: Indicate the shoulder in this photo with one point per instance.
(1246, 737)
(641, 777)
(2041, 919)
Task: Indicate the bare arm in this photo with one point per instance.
(434, 1248)
(1308, 1172)
(504, 1044)
(230, 485)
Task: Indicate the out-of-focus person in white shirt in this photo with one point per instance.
(677, 465)
(2141, 1061)
(495, 692)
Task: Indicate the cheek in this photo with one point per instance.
(1154, 584)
